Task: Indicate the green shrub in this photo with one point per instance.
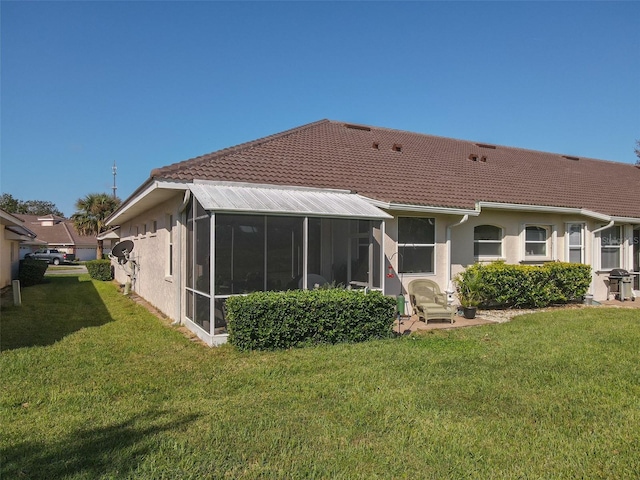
(31, 271)
(100, 269)
(501, 285)
(279, 320)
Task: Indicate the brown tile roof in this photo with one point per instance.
(412, 168)
(62, 232)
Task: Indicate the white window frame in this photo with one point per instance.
(569, 247)
(548, 242)
(170, 251)
(493, 242)
(620, 246)
(417, 245)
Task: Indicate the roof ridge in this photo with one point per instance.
(66, 228)
(236, 148)
(484, 142)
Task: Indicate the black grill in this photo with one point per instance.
(619, 273)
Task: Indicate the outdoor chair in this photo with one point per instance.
(428, 302)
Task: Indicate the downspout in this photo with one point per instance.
(179, 221)
(450, 287)
(593, 254)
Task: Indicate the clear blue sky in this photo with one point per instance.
(147, 84)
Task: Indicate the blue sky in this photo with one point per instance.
(147, 84)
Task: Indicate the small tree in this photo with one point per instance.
(28, 207)
(92, 211)
(637, 150)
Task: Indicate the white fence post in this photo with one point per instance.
(17, 298)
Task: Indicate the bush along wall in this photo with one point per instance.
(31, 271)
(100, 269)
(519, 286)
(279, 320)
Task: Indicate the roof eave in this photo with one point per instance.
(422, 208)
(149, 194)
(544, 208)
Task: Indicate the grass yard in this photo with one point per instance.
(94, 386)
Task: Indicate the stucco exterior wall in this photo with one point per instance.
(153, 280)
(396, 282)
(9, 259)
(513, 246)
(150, 233)
(513, 224)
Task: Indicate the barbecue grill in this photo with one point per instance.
(621, 285)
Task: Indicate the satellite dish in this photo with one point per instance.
(122, 250)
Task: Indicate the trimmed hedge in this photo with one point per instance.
(100, 270)
(520, 286)
(31, 271)
(280, 320)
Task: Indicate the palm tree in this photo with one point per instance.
(92, 211)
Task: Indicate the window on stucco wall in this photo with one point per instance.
(575, 242)
(487, 241)
(537, 241)
(611, 247)
(416, 244)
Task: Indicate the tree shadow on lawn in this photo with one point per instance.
(115, 450)
(50, 311)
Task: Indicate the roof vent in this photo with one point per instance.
(357, 127)
(483, 159)
(473, 157)
(570, 158)
(376, 145)
(486, 145)
(397, 147)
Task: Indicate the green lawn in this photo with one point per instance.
(93, 386)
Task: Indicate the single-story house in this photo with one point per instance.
(367, 207)
(58, 233)
(13, 233)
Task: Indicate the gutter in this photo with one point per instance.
(545, 209)
(421, 208)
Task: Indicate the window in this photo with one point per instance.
(610, 247)
(416, 245)
(487, 241)
(536, 243)
(575, 243)
(169, 270)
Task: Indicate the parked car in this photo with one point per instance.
(51, 255)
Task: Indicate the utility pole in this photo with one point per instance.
(114, 169)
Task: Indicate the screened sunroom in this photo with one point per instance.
(264, 238)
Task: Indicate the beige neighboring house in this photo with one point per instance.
(58, 233)
(13, 233)
(367, 207)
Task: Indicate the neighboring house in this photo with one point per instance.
(365, 206)
(58, 233)
(13, 233)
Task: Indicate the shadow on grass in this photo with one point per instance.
(115, 450)
(50, 311)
